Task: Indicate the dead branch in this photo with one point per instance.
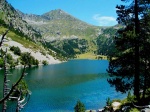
(14, 86)
(3, 36)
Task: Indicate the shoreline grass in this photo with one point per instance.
(90, 55)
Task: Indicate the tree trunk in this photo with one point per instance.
(137, 57)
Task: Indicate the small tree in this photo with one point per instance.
(79, 107)
(25, 58)
(36, 62)
(44, 62)
(1, 62)
(16, 50)
(108, 102)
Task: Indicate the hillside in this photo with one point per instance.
(105, 41)
(37, 51)
(23, 38)
(67, 33)
(12, 19)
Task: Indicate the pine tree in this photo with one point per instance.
(127, 70)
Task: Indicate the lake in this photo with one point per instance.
(57, 88)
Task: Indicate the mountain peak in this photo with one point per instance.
(57, 14)
(56, 11)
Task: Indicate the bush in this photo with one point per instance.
(25, 58)
(1, 62)
(16, 50)
(108, 101)
(9, 57)
(12, 64)
(12, 48)
(43, 53)
(10, 60)
(130, 98)
(22, 86)
(36, 62)
(29, 60)
(44, 62)
(79, 107)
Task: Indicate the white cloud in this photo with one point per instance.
(104, 20)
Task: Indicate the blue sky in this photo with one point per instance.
(95, 12)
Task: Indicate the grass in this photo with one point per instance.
(90, 55)
(86, 56)
(22, 40)
(134, 110)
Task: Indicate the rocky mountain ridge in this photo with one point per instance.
(58, 24)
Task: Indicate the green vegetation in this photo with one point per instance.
(105, 42)
(44, 62)
(130, 70)
(79, 107)
(27, 59)
(16, 50)
(1, 62)
(10, 60)
(68, 48)
(22, 89)
(108, 102)
(12, 63)
(20, 39)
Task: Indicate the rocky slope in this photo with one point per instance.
(36, 54)
(12, 18)
(36, 50)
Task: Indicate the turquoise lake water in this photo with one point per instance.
(57, 88)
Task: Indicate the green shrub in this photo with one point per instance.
(79, 107)
(44, 62)
(16, 50)
(130, 98)
(29, 60)
(25, 58)
(22, 86)
(1, 62)
(9, 57)
(43, 53)
(10, 60)
(36, 62)
(108, 101)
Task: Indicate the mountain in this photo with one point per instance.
(12, 19)
(60, 32)
(67, 33)
(58, 24)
